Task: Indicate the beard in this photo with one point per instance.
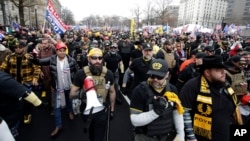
(168, 50)
(95, 70)
(218, 83)
(19, 54)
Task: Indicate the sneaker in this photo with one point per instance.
(27, 119)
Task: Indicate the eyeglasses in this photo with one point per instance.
(155, 76)
(96, 57)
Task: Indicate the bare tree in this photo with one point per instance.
(162, 10)
(115, 20)
(21, 4)
(106, 20)
(2, 3)
(67, 16)
(137, 12)
(89, 21)
(149, 12)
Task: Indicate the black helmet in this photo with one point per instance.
(124, 36)
(78, 44)
(107, 43)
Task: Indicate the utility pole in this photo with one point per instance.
(29, 15)
(2, 3)
(36, 18)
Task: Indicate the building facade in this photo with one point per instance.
(207, 13)
(36, 11)
(174, 12)
(238, 12)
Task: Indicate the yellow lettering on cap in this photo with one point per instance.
(156, 66)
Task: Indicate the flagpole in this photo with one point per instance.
(44, 22)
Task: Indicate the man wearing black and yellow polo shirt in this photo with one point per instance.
(156, 111)
(210, 104)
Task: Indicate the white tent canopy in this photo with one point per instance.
(192, 28)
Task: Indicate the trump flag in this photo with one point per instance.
(53, 18)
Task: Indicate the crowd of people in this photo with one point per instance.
(181, 87)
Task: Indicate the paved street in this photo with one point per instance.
(42, 124)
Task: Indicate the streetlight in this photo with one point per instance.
(36, 18)
(16, 19)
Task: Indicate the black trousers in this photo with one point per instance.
(97, 125)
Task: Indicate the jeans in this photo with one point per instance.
(57, 111)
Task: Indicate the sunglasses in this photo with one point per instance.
(156, 76)
(19, 47)
(242, 64)
(96, 57)
(147, 49)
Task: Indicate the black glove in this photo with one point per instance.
(124, 90)
(43, 105)
(112, 114)
(159, 105)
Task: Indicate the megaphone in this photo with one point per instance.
(93, 104)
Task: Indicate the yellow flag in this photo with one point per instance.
(160, 30)
(174, 98)
(132, 27)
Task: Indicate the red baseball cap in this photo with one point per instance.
(60, 45)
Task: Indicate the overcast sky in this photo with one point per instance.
(85, 8)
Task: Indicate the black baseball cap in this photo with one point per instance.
(200, 55)
(158, 67)
(146, 46)
(209, 48)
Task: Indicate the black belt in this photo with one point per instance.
(156, 137)
(166, 135)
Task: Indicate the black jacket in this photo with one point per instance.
(11, 99)
(52, 62)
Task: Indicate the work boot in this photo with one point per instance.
(56, 132)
